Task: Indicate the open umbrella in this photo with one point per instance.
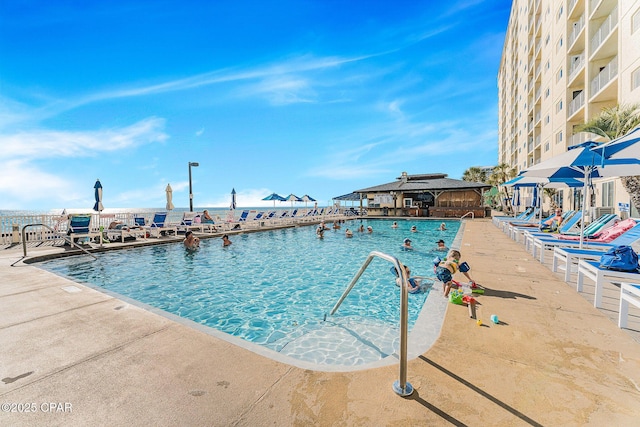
(579, 162)
(537, 183)
(293, 198)
(169, 192)
(306, 198)
(621, 156)
(275, 197)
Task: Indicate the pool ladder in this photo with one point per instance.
(401, 386)
(56, 233)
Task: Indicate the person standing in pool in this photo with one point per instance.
(226, 241)
(443, 226)
(406, 245)
(441, 246)
(190, 241)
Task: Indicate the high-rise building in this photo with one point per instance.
(563, 61)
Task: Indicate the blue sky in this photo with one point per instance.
(319, 97)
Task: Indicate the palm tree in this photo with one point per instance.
(474, 174)
(613, 123)
(501, 174)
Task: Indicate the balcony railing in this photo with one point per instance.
(577, 64)
(604, 30)
(571, 4)
(577, 28)
(581, 137)
(605, 76)
(576, 104)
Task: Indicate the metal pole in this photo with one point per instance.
(190, 191)
(194, 164)
(401, 386)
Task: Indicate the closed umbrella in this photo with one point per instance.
(169, 192)
(98, 205)
(233, 199)
(98, 193)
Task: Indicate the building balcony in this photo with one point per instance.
(581, 137)
(575, 66)
(605, 30)
(602, 80)
(576, 104)
(576, 31)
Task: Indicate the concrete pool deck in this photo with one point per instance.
(75, 357)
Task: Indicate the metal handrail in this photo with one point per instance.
(469, 213)
(24, 241)
(401, 387)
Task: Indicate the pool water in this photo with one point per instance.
(276, 288)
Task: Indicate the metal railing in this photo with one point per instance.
(467, 214)
(605, 76)
(58, 234)
(604, 30)
(400, 387)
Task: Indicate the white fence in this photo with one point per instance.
(11, 226)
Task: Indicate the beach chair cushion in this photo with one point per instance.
(609, 234)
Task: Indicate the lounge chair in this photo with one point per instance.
(514, 230)
(623, 233)
(158, 225)
(80, 227)
(530, 218)
(122, 232)
(499, 219)
(242, 219)
(569, 223)
(629, 293)
(598, 225)
(600, 276)
(190, 222)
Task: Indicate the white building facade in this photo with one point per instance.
(563, 61)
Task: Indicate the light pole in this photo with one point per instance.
(195, 165)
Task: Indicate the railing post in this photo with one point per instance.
(400, 387)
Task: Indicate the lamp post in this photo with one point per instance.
(195, 165)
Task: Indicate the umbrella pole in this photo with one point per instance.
(587, 175)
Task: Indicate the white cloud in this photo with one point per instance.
(52, 143)
(21, 183)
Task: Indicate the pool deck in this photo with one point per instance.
(78, 357)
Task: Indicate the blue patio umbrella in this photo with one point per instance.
(306, 198)
(275, 197)
(620, 157)
(293, 198)
(578, 162)
(537, 183)
(98, 193)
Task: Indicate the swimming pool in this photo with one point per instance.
(275, 288)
